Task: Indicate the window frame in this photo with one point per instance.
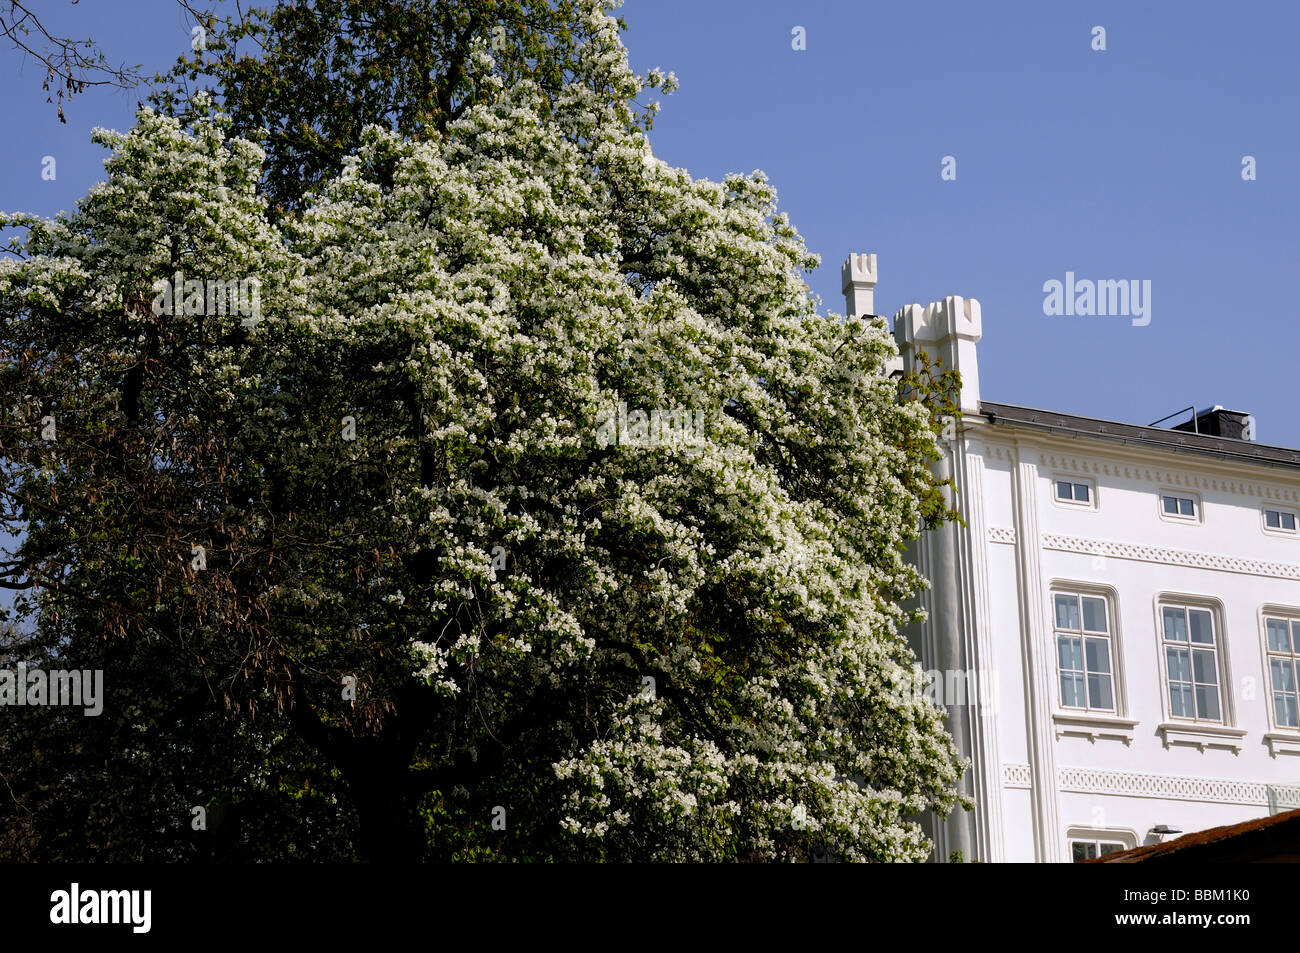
(1100, 719)
(1198, 507)
(1075, 480)
(1218, 620)
(1079, 593)
(1279, 530)
(1126, 839)
(1291, 616)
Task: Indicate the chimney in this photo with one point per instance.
(858, 277)
(1217, 422)
(858, 280)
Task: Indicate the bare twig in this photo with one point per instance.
(71, 65)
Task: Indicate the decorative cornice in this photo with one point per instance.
(1002, 534)
(1230, 468)
(1164, 787)
(1222, 562)
(1166, 477)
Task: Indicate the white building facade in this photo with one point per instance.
(1119, 617)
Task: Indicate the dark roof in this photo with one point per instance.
(1274, 839)
(1175, 441)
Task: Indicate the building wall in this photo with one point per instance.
(1041, 774)
(1100, 773)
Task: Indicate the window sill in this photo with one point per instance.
(1282, 743)
(1202, 736)
(1094, 726)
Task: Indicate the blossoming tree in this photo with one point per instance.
(389, 511)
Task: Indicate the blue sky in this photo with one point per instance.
(1122, 164)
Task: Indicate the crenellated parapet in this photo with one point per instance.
(946, 330)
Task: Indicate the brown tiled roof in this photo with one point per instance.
(1269, 839)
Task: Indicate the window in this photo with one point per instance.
(1089, 843)
(1191, 662)
(1092, 849)
(1073, 491)
(1279, 521)
(1178, 507)
(1083, 651)
(1283, 637)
